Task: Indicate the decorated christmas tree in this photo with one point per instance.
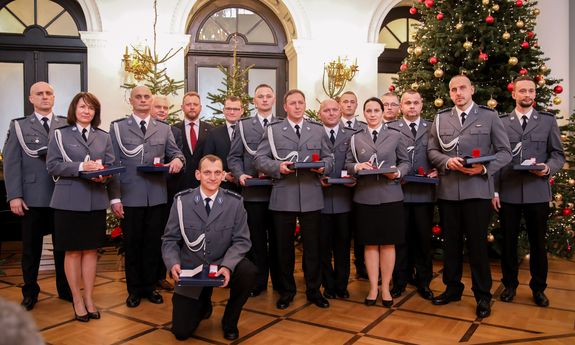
(490, 41)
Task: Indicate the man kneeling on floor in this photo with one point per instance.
(208, 226)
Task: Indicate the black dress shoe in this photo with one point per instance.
(483, 308)
(329, 294)
(342, 294)
(540, 299)
(387, 303)
(370, 302)
(231, 334)
(319, 301)
(29, 302)
(507, 294)
(283, 302)
(397, 290)
(94, 315)
(446, 298)
(425, 293)
(133, 300)
(155, 297)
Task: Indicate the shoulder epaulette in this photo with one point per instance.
(314, 122)
(392, 128)
(546, 113)
(247, 118)
(503, 115)
(162, 121)
(62, 117)
(359, 130)
(486, 107)
(120, 119)
(100, 129)
(19, 118)
(444, 110)
(351, 129)
(232, 193)
(275, 122)
(185, 191)
(361, 121)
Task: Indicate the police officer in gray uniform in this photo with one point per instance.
(208, 226)
(418, 202)
(295, 194)
(141, 140)
(534, 138)
(464, 193)
(249, 133)
(29, 188)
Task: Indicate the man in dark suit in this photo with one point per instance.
(141, 140)
(337, 200)
(418, 202)
(215, 233)
(191, 135)
(256, 198)
(296, 194)
(219, 141)
(464, 193)
(535, 139)
(29, 188)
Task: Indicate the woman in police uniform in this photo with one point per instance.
(80, 204)
(378, 198)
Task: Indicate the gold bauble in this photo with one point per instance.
(438, 102)
(467, 45)
(491, 103)
(485, 2)
(558, 197)
(409, 50)
(520, 24)
(459, 26)
(556, 100)
(513, 61)
(570, 233)
(438, 73)
(490, 237)
(570, 205)
(506, 35)
(571, 182)
(564, 137)
(495, 8)
(415, 86)
(543, 68)
(541, 82)
(536, 12)
(418, 51)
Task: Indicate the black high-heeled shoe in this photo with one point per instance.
(81, 318)
(370, 302)
(387, 303)
(94, 315)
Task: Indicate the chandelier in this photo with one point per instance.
(336, 74)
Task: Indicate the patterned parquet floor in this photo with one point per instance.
(412, 320)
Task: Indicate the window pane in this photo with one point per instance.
(64, 25)
(226, 19)
(399, 28)
(47, 10)
(257, 76)
(9, 24)
(209, 81)
(261, 34)
(66, 81)
(24, 9)
(211, 31)
(386, 37)
(11, 95)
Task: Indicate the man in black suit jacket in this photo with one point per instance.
(191, 143)
(219, 141)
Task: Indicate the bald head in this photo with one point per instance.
(160, 107)
(141, 101)
(330, 112)
(42, 97)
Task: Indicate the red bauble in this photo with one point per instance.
(429, 3)
(403, 67)
(530, 34)
(519, 3)
(433, 60)
(523, 71)
(552, 181)
(413, 10)
(483, 57)
(489, 19)
(566, 212)
(440, 16)
(510, 87)
(524, 44)
(436, 230)
(391, 88)
(558, 89)
(537, 78)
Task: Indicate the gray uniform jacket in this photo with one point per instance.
(482, 130)
(141, 189)
(26, 177)
(227, 237)
(357, 125)
(240, 161)
(337, 198)
(417, 150)
(391, 151)
(540, 140)
(72, 192)
(299, 191)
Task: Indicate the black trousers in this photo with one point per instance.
(469, 218)
(310, 227)
(37, 222)
(188, 312)
(535, 216)
(335, 242)
(263, 251)
(415, 253)
(143, 228)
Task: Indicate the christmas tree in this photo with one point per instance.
(490, 41)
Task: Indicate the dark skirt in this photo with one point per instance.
(380, 224)
(79, 230)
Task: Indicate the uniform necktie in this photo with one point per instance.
(233, 128)
(45, 124)
(297, 130)
(208, 208)
(84, 134)
(374, 133)
(348, 123)
(413, 130)
(143, 126)
(463, 116)
(193, 138)
(266, 122)
(332, 136)
(524, 123)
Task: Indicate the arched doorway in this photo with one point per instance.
(259, 41)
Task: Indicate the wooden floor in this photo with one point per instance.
(412, 320)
